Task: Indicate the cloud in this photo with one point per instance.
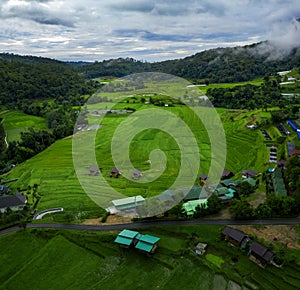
(40, 11)
(144, 29)
(133, 6)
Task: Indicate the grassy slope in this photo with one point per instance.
(16, 122)
(75, 260)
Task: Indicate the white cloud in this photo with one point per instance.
(149, 30)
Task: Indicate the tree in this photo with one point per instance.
(241, 209)
(245, 189)
(263, 211)
(214, 204)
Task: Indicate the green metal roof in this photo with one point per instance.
(190, 206)
(144, 246)
(146, 242)
(149, 239)
(250, 180)
(128, 234)
(196, 192)
(123, 240)
(221, 191)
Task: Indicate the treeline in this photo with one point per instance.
(249, 96)
(42, 87)
(23, 82)
(211, 66)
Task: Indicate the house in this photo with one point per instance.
(226, 174)
(196, 192)
(14, 202)
(94, 170)
(126, 205)
(136, 174)
(144, 243)
(235, 237)
(190, 207)
(248, 173)
(115, 172)
(203, 179)
(200, 248)
(260, 254)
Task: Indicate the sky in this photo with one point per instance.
(147, 30)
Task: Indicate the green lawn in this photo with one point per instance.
(16, 122)
(62, 259)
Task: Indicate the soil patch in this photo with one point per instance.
(111, 220)
(285, 235)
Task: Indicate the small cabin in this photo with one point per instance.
(235, 237)
(115, 172)
(260, 254)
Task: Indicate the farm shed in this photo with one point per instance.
(115, 172)
(136, 174)
(126, 238)
(235, 237)
(260, 254)
(127, 204)
(94, 170)
(248, 173)
(147, 243)
(144, 243)
(227, 174)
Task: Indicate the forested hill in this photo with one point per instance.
(26, 78)
(214, 65)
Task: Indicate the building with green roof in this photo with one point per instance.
(127, 204)
(145, 243)
(126, 238)
(196, 192)
(190, 206)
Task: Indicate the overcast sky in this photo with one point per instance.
(148, 30)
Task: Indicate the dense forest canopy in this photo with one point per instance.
(215, 65)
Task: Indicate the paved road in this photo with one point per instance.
(287, 221)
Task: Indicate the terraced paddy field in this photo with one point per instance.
(16, 122)
(54, 172)
(61, 259)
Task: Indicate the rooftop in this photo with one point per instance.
(128, 200)
(12, 200)
(235, 234)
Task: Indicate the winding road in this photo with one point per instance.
(135, 225)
